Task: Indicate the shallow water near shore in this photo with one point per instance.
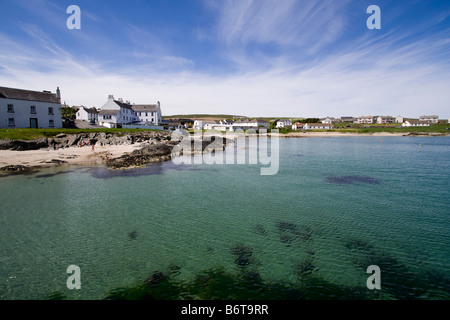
(336, 206)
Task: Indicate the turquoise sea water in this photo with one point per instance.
(336, 206)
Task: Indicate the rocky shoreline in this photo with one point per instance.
(113, 150)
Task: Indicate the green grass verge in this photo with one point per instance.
(30, 134)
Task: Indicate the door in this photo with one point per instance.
(33, 123)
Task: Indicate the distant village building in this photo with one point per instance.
(284, 123)
(367, 119)
(430, 119)
(399, 119)
(415, 123)
(329, 120)
(297, 126)
(116, 113)
(87, 114)
(385, 119)
(231, 126)
(21, 108)
(315, 126)
(348, 119)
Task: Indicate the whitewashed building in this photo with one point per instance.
(430, 119)
(367, 119)
(399, 119)
(284, 123)
(87, 114)
(116, 113)
(30, 109)
(329, 120)
(297, 126)
(385, 119)
(415, 123)
(315, 126)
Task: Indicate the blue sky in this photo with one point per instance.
(294, 58)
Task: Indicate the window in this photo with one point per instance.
(50, 110)
(11, 122)
(10, 108)
(33, 109)
(146, 114)
(51, 123)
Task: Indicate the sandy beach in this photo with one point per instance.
(70, 156)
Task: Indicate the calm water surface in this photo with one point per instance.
(336, 206)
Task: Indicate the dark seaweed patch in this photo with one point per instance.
(351, 179)
(217, 284)
(174, 270)
(289, 232)
(242, 255)
(397, 279)
(132, 235)
(305, 268)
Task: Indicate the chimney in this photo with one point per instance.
(58, 93)
(120, 99)
(110, 97)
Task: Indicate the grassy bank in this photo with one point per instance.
(436, 128)
(30, 134)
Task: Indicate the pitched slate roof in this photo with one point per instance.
(123, 104)
(145, 107)
(89, 110)
(20, 94)
(108, 112)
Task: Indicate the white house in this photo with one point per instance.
(313, 126)
(30, 109)
(251, 124)
(297, 126)
(431, 119)
(367, 119)
(415, 123)
(399, 119)
(329, 120)
(116, 113)
(87, 114)
(385, 119)
(284, 123)
(148, 113)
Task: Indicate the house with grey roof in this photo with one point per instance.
(20, 108)
(87, 114)
(116, 113)
(430, 119)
